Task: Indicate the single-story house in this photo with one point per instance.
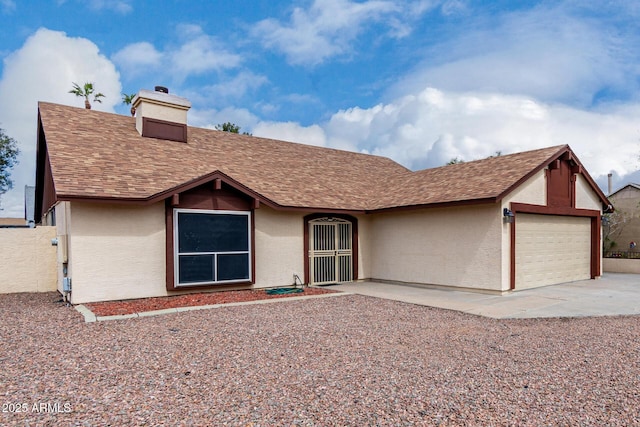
(149, 206)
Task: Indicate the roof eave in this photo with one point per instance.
(155, 199)
(165, 194)
(201, 181)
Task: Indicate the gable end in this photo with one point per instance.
(560, 184)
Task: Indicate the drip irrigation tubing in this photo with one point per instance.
(283, 291)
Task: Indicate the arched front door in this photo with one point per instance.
(330, 251)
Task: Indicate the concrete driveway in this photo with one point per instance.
(612, 295)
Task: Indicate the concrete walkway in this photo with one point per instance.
(611, 295)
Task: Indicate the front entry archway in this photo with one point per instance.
(330, 250)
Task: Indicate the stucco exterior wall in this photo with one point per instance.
(28, 260)
(279, 250)
(116, 252)
(586, 198)
(533, 191)
(364, 247)
(452, 247)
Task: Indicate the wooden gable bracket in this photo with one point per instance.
(554, 164)
(575, 169)
(217, 184)
(175, 199)
(256, 204)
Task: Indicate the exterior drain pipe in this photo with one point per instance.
(66, 281)
(66, 285)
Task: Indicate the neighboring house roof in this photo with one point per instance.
(630, 185)
(101, 156)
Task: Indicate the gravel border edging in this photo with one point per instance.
(90, 317)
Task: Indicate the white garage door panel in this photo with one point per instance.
(552, 249)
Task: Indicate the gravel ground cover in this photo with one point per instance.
(348, 360)
(110, 308)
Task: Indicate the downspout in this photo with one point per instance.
(61, 243)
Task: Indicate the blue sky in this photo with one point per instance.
(418, 81)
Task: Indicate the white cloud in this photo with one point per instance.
(548, 54)
(119, 6)
(226, 91)
(325, 30)
(200, 53)
(453, 7)
(43, 69)
(197, 53)
(135, 59)
(8, 6)
(330, 28)
(419, 7)
(239, 85)
(209, 118)
(289, 131)
(433, 126)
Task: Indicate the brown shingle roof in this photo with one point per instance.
(101, 155)
(487, 179)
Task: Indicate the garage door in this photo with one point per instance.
(552, 249)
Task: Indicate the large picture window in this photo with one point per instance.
(211, 247)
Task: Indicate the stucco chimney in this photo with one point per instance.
(160, 115)
(610, 184)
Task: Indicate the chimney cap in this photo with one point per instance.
(162, 89)
(160, 98)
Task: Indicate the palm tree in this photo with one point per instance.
(127, 100)
(86, 91)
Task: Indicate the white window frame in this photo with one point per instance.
(176, 253)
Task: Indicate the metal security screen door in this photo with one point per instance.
(330, 256)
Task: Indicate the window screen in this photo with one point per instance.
(212, 247)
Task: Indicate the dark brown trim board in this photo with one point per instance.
(459, 203)
(354, 241)
(558, 211)
(45, 197)
(561, 185)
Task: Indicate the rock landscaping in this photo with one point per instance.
(347, 360)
